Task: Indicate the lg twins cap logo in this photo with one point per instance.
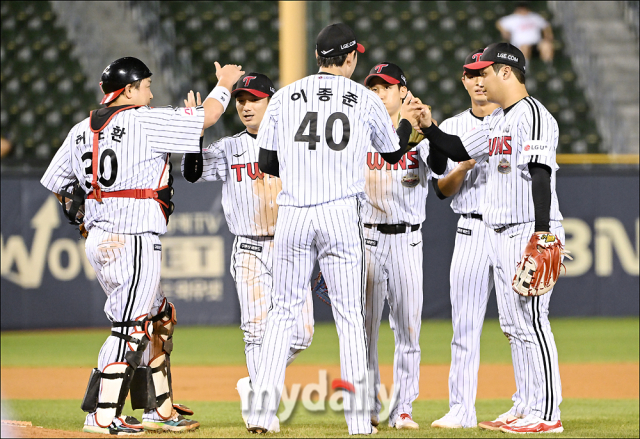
(379, 67)
(347, 45)
(476, 56)
(507, 56)
(247, 80)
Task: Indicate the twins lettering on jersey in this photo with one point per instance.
(500, 145)
(251, 170)
(408, 161)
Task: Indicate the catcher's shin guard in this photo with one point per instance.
(107, 390)
(151, 388)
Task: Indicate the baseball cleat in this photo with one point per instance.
(256, 429)
(405, 421)
(447, 421)
(502, 420)
(177, 424)
(129, 426)
(533, 424)
(244, 390)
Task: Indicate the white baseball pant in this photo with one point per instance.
(471, 280)
(394, 272)
(252, 271)
(330, 233)
(525, 322)
(128, 269)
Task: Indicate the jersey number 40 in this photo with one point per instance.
(311, 120)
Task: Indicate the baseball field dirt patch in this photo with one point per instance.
(217, 383)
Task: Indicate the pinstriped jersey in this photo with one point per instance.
(471, 194)
(248, 195)
(526, 133)
(133, 153)
(396, 194)
(322, 126)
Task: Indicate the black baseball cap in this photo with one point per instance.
(471, 58)
(500, 53)
(337, 39)
(389, 72)
(255, 83)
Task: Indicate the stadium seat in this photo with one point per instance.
(37, 67)
(448, 31)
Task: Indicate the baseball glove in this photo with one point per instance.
(320, 289)
(72, 203)
(539, 268)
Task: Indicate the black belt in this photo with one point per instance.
(472, 215)
(392, 229)
(503, 228)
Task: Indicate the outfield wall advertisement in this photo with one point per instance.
(47, 281)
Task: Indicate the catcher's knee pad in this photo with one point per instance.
(107, 390)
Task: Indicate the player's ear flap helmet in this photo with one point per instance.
(119, 73)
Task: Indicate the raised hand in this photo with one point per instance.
(191, 101)
(228, 75)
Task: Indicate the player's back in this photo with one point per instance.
(322, 126)
(131, 155)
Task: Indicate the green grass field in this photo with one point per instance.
(578, 341)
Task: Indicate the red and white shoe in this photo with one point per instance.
(533, 424)
(500, 421)
(405, 421)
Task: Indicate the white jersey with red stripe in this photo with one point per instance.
(248, 195)
(133, 153)
(396, 194)
(471, 194)
(322, 126)
(526, 133)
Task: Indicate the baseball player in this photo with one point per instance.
(471, 272)
(518, 141)
(119, 157)
(249, 203)
(315, 136)
(392, 215)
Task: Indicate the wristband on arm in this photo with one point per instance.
(222, 95)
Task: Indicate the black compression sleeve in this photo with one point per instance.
(193, 165)
(404, 133)
(449, 145)
(268, 162)
(437, 161)
(436, 188)
(541, 193)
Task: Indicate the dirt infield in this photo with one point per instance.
(609, 381)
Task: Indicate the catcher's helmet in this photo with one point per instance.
(118, 74)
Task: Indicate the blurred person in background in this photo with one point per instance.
(527, 31)
(6, 148)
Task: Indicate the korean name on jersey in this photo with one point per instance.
(133, 154)
(322, 126)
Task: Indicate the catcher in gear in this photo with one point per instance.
(125, 217)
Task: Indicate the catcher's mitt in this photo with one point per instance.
(72, 203)
(539, 268)
(320, 289)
